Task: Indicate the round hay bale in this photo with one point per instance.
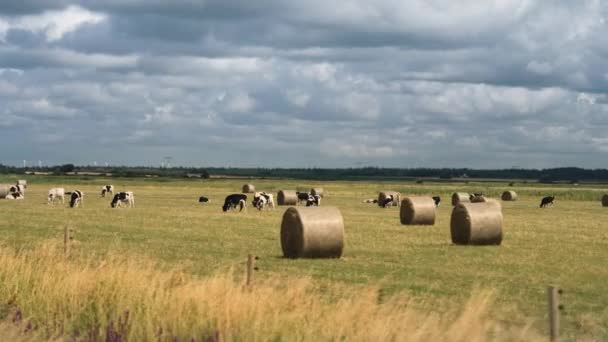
(477, 199)
(417, 210)
(4, 190)
(383, 195)
(458, 197)
(477, 223)
(312, 232)
(248, 189)
(605, 201)
(287, 197)
(509, 196)
(317, 191)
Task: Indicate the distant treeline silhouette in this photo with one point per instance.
(570, 174)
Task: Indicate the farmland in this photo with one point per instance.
(565, 244)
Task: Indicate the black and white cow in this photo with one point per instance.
(437, 200)
(126, 198)
(546, 201)
(17, 188)
(55, 194)
(107, 189)
(313, 200)
(14, 196)
(262, 199)
(302, 196)
(76, 199)
(388, 201)
(203, 199)
(235, 200)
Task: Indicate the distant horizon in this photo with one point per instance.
(33, 167)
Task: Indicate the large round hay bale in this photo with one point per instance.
(287, 197)
(458, 197)
(248, 189)
(312, 232)
(477, 223)
(417, 210)
(605, 201)
(317, 191)
(4, 190)
(383, 195)
(509, 196)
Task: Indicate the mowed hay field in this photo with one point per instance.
(565, 244)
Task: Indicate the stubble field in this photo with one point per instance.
(564, 245)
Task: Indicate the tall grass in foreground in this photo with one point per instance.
(51, 297)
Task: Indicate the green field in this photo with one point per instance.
(565, 244)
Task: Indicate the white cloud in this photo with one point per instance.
(320, 72)
(337, 148)
(357, 106)
(4, 71)
(541, 68)
(239, 102)
(54, 24)
(297, 97)
(161, 115)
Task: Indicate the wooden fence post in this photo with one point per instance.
(66, 240)
(250, 265)
(554, 307)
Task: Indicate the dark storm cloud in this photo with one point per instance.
(305, 83)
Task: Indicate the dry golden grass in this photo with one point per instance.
(81, 297)
(565, 244)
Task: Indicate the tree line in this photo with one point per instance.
(571, 174)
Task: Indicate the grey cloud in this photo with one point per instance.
(23, 7)
(271, 83)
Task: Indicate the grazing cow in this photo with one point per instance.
(76, 199)
(107, 189)
(437, 200)
(17, 188)
(262, 199)
(546, 201)
(235, 200)
(14, 196)
(388, 201)
(302, 196)
(313, 200)
(203, 199)
(126, 198)
(56, 193)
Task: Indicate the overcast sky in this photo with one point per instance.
(303, 83)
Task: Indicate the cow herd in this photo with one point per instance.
(76, 197)
(473, 197)
(261, 200)
(390, 201)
